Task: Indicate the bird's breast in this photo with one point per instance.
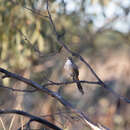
(68, 68)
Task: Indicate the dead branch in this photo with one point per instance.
(82, 115)
(32, 118)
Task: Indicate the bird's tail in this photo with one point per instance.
(79, 86)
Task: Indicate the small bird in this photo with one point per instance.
(72, 69)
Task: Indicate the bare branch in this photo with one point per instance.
(32, 118)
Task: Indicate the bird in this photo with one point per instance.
(72, 70)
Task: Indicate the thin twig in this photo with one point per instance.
(2, 124)
(18, 90)
(70, 82)
(36, 11)
(12, 121)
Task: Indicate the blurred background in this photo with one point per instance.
(99, 30)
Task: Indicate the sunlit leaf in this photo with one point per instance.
(35, 36)
(6, 81)
(4, 50)
(41, 43)
(75, 39)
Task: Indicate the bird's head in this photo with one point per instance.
(69, 58)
